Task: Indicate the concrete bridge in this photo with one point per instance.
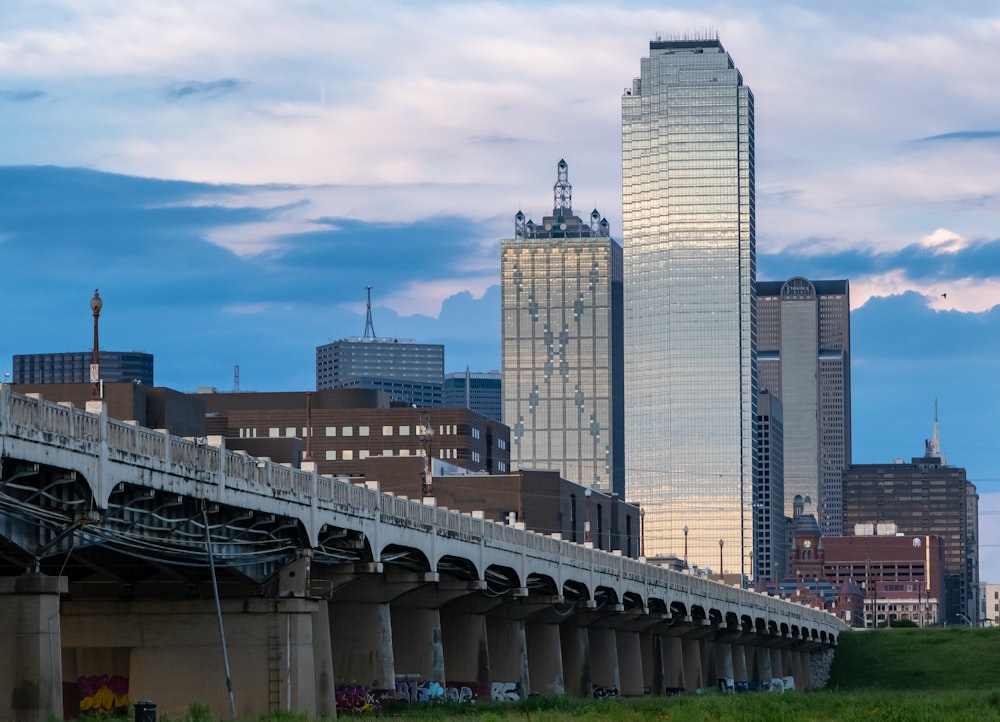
(136, 565)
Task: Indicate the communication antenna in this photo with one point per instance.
(369, 326)
(236, 379)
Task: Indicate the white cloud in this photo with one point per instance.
(251, 239)
(969, 295)
(944, 241)
(425, 298)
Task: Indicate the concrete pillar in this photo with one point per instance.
(508, 651)
(709, 670)
(575, 644)
(762, 664)
(740, 662)
(326, 703)
(651, 650)
(604, 669)
(723, 663)
(361, 635)
(673, 662)
(31, 684)
(803, 671)
(694, 675)
(545, 664)
(466, 655)
(630, 669)
(777, 665)
(417, 647)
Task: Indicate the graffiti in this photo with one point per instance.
(752, 686)
(601, 692)
(460, 693)
(357, 699)
(783, 684)
(726, 684)
(103, 694)
(505, 692)
(420, 691)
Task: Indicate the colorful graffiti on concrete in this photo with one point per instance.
(103, 694)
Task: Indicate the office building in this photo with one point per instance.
(770, 530)
(480, 391)
(920, 498)
(804, 358)
(341, 428)
(561, 288)
(74, 367)
(690, 381)
(411, 373)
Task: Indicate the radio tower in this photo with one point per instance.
(369, 326)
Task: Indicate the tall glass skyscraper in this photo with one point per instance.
(690, 267)
(561, 285)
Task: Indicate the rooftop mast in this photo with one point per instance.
(369, 326)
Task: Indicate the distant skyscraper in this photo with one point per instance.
(411, 373)
(770, 532)
(480, 391)
(923, 497)
(804, 358)
(690, 267)
(562, 333)
(73, 367)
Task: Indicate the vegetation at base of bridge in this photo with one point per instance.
(886, 675)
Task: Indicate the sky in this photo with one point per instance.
(232, 176)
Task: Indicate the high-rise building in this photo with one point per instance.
(804, 358)
(690, 268)
(923, 497)
(480, 391)
(73, 367)
(561, 285)
(770, 530)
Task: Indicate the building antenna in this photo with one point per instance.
(937, 431)
(369, 326)
(236, 379)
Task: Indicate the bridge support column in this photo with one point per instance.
(574, 642)
(466, 653)
(651, 651)
(762, 664)
(694, 675)
(508, 649)
(604, 669)
(740, 652)
(361, 634)
(630, 667)
(417, 646)
(803, 665)
(545, 663)
(31, 666)
(777, 663)
(723, 664)
(673, 663)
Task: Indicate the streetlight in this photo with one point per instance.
(96, 304)
(586, 524)
(642, 532)
(685, 546)
(721, 542)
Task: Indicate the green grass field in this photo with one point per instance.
(890, 675)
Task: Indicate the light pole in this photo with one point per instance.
(721, 543)
(96, 304)
(685, 546)
(586, 524)
(642, 532)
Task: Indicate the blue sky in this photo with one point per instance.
(232, 175)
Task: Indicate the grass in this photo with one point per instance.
(892, 675)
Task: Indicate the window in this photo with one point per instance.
(331, 430)
(290, 432)
(363, 454)
(362, 431)
(386, 431)
(347, 431)
(273, 432)
(475, 433)
(331, 455)
(404, 430)
(348, 455)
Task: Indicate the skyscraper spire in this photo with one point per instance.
(562, 192)
(369, 326)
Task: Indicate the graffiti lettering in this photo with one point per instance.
(601, 692)
(101, 693)
(459, 694)
(505, 692)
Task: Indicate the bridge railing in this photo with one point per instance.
(196, 459)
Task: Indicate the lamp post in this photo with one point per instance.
(685, 546)
(721, 543)
(586, 524)
(96, 304)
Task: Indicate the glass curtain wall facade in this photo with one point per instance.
(691, 388)
(561, 287)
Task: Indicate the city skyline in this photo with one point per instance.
(232, 201)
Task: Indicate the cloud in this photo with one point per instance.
(427, 297)
(961, 135)
(210, 89)
(944, 241)
(21, 96)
